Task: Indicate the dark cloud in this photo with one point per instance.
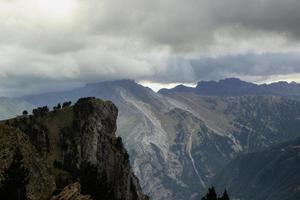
(192, 25)
(250, 64)
(145, 40)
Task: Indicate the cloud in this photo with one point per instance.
(71, 42)
(254, 65)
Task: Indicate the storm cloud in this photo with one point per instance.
(67, 43)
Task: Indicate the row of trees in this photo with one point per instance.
(42, 110)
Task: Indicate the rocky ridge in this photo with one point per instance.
(71, 144)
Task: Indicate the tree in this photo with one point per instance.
(225, 196)
(57, 107)
(25, 112)
(67, 104)
(212, 195)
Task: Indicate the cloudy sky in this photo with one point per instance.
(48, 45)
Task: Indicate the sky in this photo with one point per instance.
(60, 44)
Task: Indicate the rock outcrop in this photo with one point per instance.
(72, 192)
(73, 144)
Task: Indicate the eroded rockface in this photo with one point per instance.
(75, 144)
(71, 192)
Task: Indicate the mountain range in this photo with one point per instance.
(237, 87)
(180, 139)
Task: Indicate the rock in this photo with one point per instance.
(72, 192)
(75, 143)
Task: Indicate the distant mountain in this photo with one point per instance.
(237, 87)
(272, 174)
(10, 107)
(42, 155)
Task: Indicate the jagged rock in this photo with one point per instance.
(72, 192)
(74, 143)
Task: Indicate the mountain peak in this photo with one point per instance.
(227, 81)
(76, 143)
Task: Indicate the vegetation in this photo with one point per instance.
(58, 107)
(212, 195)
(67, 104)
(40, 111)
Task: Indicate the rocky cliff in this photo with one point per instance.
(50, 150)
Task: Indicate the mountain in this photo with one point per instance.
(157, 135)
(11, 107)
(272, 174)
(237, 87)
(178, 141)
(44, 153)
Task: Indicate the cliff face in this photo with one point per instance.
(75, 144)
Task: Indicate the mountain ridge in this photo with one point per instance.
(237, 87)
(75, 143)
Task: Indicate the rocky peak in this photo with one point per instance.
(78, 143)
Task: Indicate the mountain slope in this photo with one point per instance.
(177, 142)
(10, 107)
(74, 144)
(159, 137)
(272, 174)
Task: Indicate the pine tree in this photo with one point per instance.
(225, 196)
(212, 195)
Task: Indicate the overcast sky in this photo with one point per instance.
(48, 45)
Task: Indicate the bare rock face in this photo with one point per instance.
(73, 144)
(72, 192)
(102, 161)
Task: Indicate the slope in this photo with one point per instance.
(272, 174)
